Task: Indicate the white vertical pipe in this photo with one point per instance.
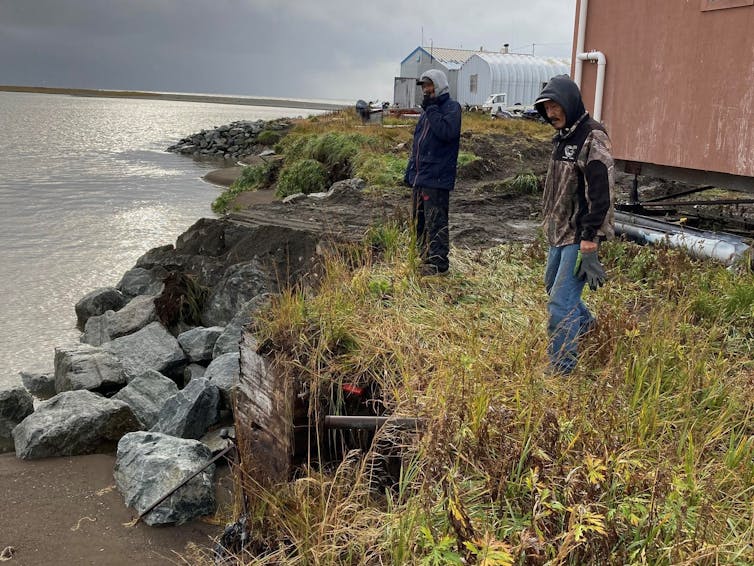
(581, 56)
(600, 89)
(580, 41)
(601, 60)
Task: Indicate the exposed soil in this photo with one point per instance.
(483, 210)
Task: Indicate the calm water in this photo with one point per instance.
(85, 189)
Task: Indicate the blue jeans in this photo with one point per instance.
(568, 316)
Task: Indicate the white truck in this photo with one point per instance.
(496, 103)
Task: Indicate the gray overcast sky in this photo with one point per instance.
(289, 48)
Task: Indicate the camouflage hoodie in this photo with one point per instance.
(578, 196)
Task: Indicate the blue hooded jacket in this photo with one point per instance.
(434, 152)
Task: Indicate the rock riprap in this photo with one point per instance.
(73, 423)
(232, 141)
(148, 465)
(15, 405)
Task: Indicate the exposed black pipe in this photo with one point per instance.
(369, 422)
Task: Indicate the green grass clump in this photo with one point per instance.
(303, 176)
(257, 176)
(268, 137)
(527, 183)
(645, 455)
(466, 157)
(336, 151)
(380, 169)
(252, 178)
(523, 184)
(388, 169)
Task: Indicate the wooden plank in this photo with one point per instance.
(263, 417)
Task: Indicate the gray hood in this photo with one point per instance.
(438, 79)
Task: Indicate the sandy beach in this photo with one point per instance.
(185, 97)
(68, 511)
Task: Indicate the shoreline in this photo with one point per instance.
(67, 510)
(183, 97)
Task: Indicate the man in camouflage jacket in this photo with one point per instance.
(577, 215)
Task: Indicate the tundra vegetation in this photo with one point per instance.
(644, 455)
(344, 149)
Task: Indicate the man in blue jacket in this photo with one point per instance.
(431, 170)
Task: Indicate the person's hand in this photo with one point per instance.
(427, 101)
(588, 267)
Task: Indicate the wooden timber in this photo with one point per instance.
(263, 418)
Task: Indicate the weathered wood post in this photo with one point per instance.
(263, 417)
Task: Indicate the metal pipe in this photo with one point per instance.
(601, 60)
(724, 201)
(369, 423)
(725, 248)
(581, 39)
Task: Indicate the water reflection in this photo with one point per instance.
(85, 189)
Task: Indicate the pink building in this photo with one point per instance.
(677, 79)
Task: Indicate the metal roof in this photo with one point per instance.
(512, 58)
(451, 58)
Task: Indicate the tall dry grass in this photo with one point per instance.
(645, 455)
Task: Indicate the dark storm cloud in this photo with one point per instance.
(325, 49)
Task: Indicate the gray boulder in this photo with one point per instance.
(231, 335)
(72, 423)
(218, 440)
(190, 412)
(192, 371)
(148, 465)
(41, 385)
(140, 281)
(208, 248)
(86, 367)
(239, 284)
(137, 314)
(224, 373)
(146, 396)
(15, 405)
(98, 302)
(198, 343)
(152, 347)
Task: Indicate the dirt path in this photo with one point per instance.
(68, 511)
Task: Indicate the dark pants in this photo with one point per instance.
(429, 212)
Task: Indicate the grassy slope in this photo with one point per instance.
(644, 456)
(346, 148)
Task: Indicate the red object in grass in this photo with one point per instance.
(353, 389)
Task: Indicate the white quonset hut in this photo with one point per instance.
(405, 92)
(521, 77)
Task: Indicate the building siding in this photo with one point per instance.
(679, 85)
(521, 77)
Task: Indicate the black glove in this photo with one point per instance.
(589, 267)
(427, 101)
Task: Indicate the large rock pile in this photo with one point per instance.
(232, 141)
(138, 369)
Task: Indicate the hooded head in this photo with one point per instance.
(438, 79)
(562, 90)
